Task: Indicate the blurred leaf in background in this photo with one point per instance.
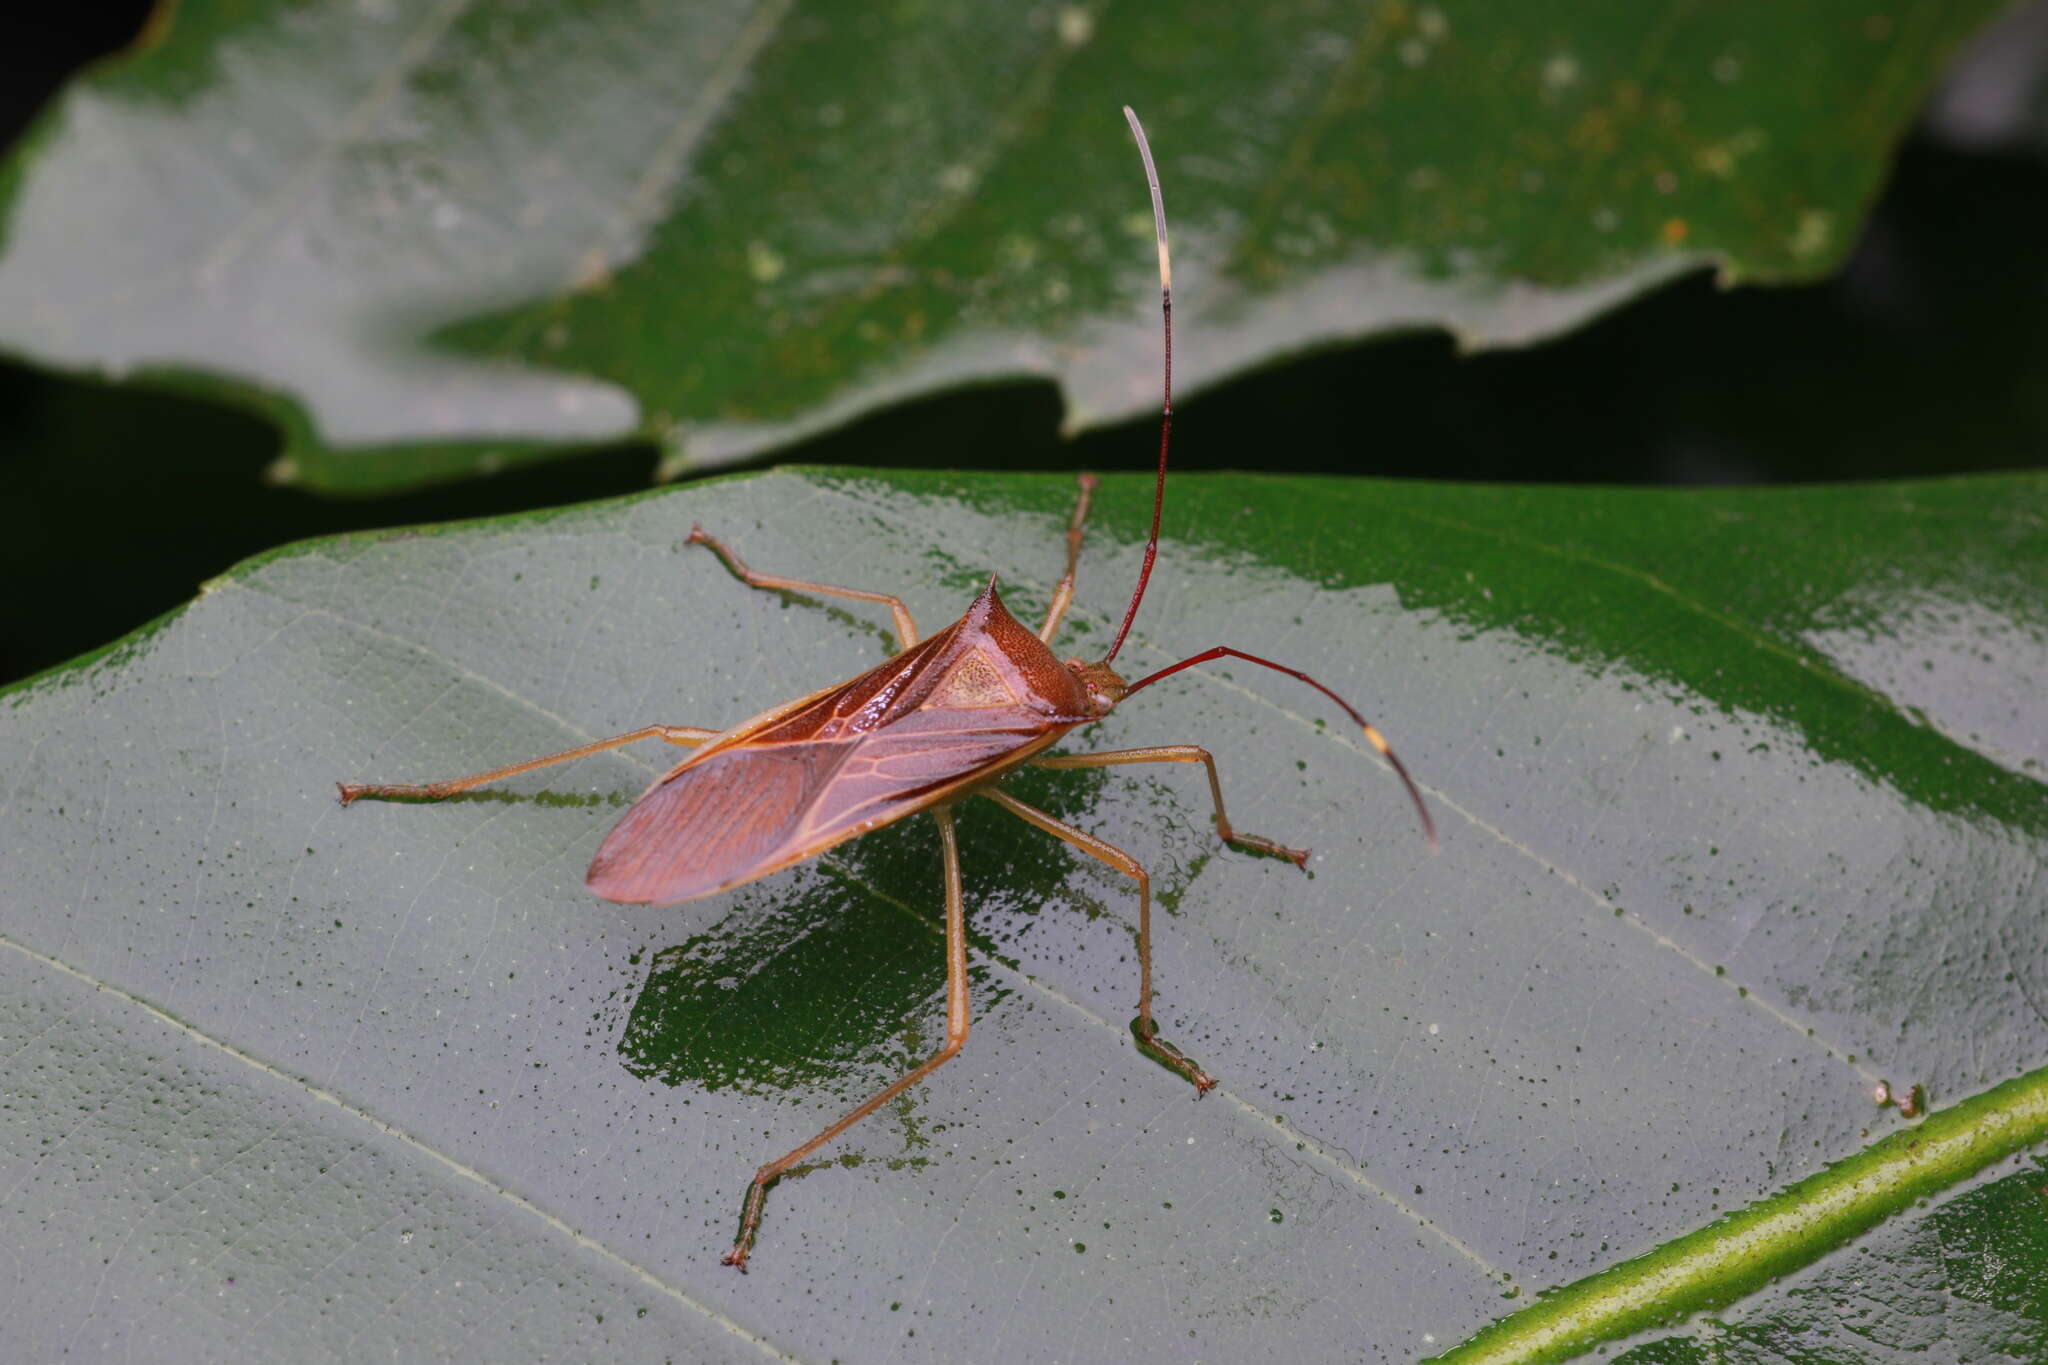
(1923, 356)
(430, 240)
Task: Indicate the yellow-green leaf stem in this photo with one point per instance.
(1727, 1259)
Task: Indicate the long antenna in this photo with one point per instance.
(1372, 734)
(1166, 414)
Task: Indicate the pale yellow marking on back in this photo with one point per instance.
(974, 683)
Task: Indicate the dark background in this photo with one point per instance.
(1927, 355)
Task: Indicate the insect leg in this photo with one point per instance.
(1180, 753)
(1143, 1028)
(1064, 594)
(434, 791)
(956, 1034)
(906, 629)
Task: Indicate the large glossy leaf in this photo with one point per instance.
(1741, 808)
(432, 238)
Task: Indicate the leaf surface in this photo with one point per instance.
(1742, 812)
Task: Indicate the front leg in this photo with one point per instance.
(1063, 595)
(1143, 1028)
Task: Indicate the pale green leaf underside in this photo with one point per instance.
(288, 1077)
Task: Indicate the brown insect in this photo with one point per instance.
(939, 722)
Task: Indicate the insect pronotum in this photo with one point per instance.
(938, 722)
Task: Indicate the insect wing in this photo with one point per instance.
(756, 808)
(798, 780)
(713, 824)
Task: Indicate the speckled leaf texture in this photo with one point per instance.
(432, 238)
(1742, 813)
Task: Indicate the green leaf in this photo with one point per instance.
(1965, 1281)
(431, 239)
(1719, 1264)
(1742, 813)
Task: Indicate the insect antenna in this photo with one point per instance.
(1372, 735)
(1166, 414)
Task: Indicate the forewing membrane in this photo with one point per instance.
(795, 781)
(752, 809)
(711, 824)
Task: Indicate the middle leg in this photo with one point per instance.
(956, 1035)
(1143, 1028)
